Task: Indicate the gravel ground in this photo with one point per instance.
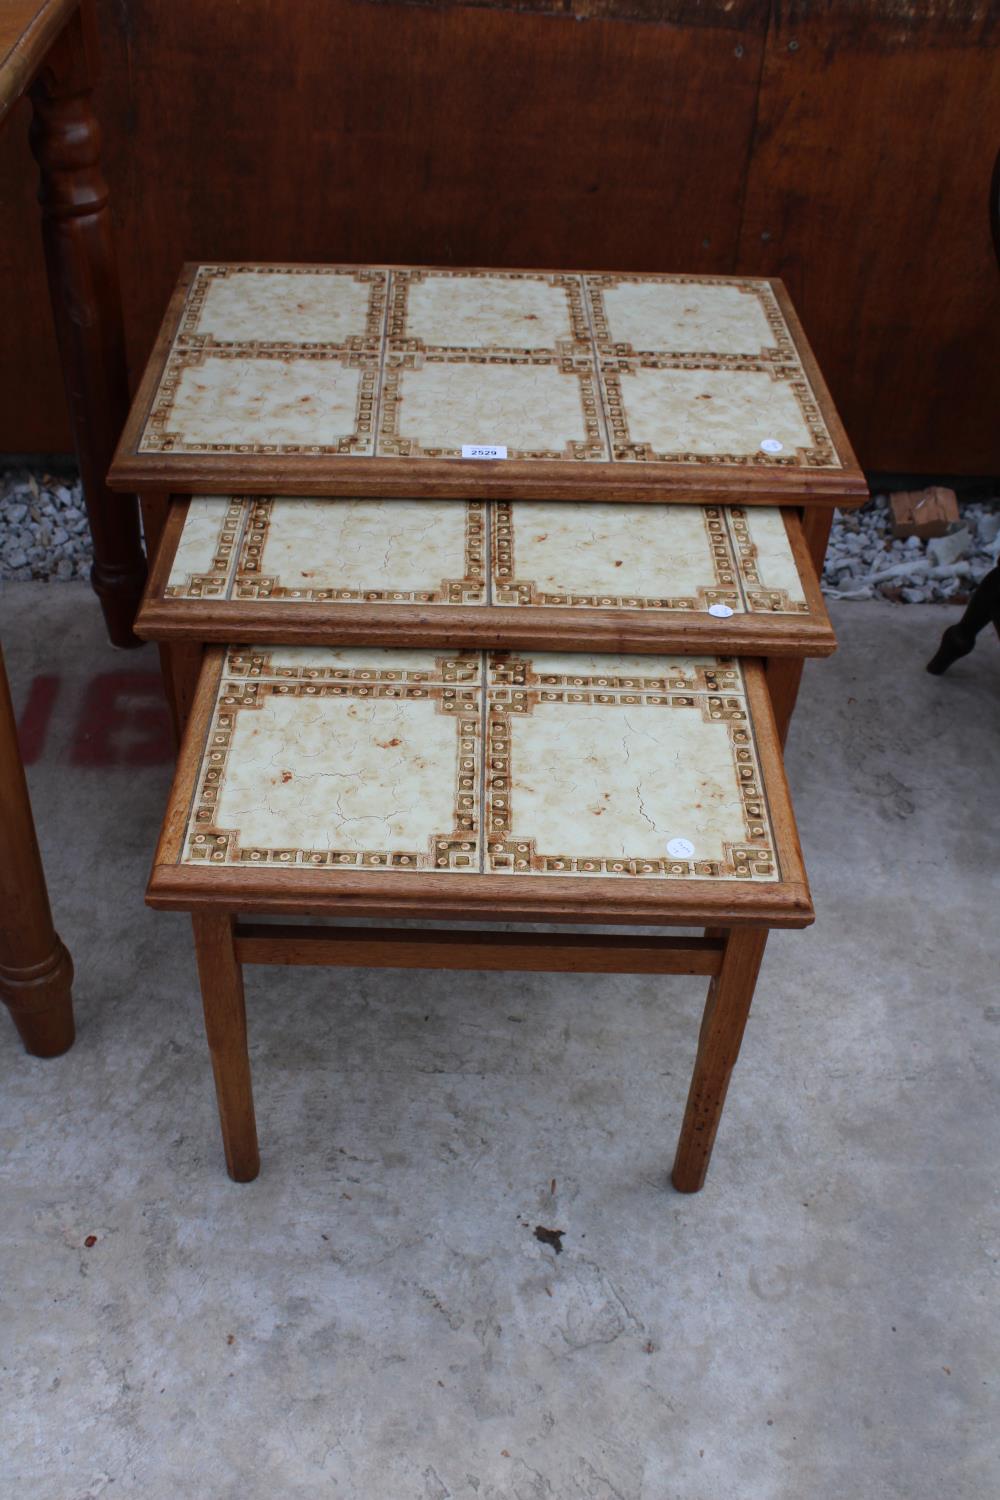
(44, 535)
(43, 526)
(865, 561)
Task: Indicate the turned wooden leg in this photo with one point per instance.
(726, 1011)
(36, 972)
(86, 304)
(226, 1027)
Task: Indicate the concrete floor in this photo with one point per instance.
(373, 1318)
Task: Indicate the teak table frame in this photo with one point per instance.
(736, 917)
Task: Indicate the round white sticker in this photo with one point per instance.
(771, 445)
(720, 611)
(680, 848)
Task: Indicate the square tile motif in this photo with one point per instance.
(363, 551)
(535, 407)
(313, 307)
(374, 760)
(703, 370)
(348, 760)
(595, 769)
(514, 312)
(217, 401)
(581, 556)
(600, 556)
(768, 573)
(203, 562)
(419, 363)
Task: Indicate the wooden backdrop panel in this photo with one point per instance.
(565, 133)
(868, 193)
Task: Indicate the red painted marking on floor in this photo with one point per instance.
(36, 716)
(123, 721)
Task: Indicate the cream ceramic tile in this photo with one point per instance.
(768, 571)
(343, 774)
(219, 402)
(362, 664)
(411, 363)
(363, 551)
(600, 556)
(513, 310)
(611, 781)
(580, 676)
(670, 415)
(205, 553)
(432, 407)
(689, 315)
(369, 760)
(328, 306)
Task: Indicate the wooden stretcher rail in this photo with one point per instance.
(543, 952)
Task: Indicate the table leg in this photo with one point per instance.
(726, 1011)
(784, 674)
(86, 304)
(221, 978)
(36, 971)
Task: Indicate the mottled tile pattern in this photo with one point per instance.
(595, 556)
(768, 574)
(571, 765)
(203, 562)
(447, 552)
(417, 363)
(363, 551)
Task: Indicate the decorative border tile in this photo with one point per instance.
(780, 361)
(366, 341)
(158, 437)
(390, 668)
(752, 858)
(253, 582)
(212, 584)
(393, 442)
(400, 339)
(759, 595)
(454, 850)
(591, 678)
(511, 589)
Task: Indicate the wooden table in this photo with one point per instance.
(507, 787)
(523, 568)
(48, 50)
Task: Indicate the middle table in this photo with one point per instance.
(521, 574)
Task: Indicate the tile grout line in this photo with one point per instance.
(737, 562)
(599, 384)
(483, 709)
(248, 503)
(381, 363)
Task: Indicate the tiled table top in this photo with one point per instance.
(374, 380)
(645, 771)
(484, 567)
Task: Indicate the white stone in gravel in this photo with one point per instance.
(915, 596)
(987, 529)
(948, 549)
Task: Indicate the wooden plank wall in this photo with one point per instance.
(846, 147)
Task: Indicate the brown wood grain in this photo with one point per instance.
(586, 900)
(27, 30)
(36, 971)
(488, 627)
(867, 193)
(563, 141)
(536, 952)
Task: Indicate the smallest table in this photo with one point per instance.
(646, 791)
